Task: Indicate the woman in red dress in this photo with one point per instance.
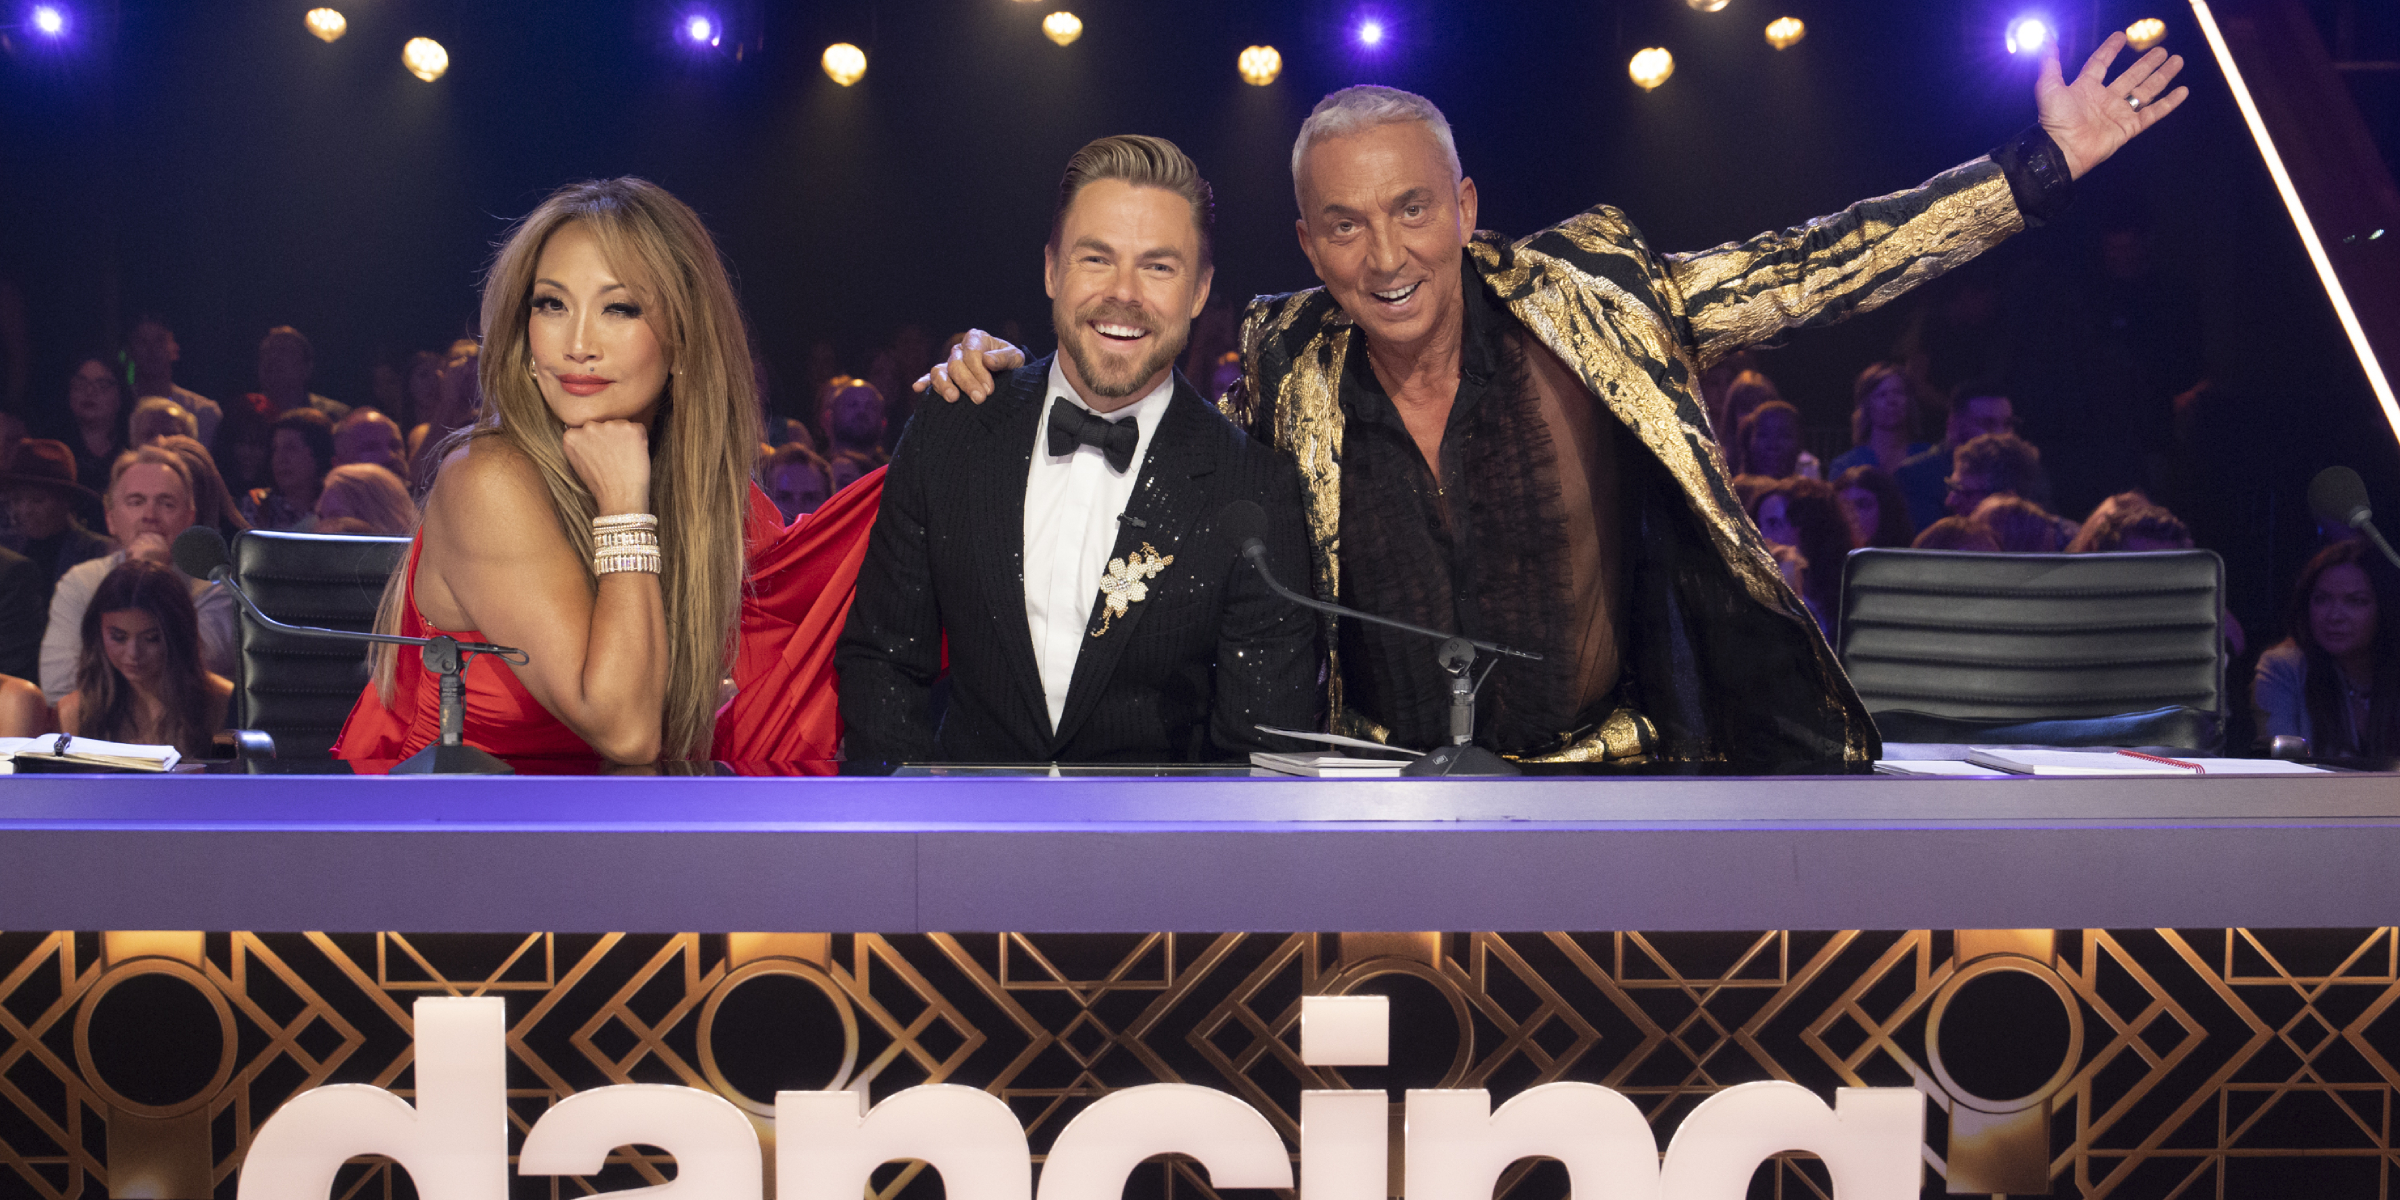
(599, 515)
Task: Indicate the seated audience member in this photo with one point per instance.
(1748, 488)
(853, 414)
(1744, 391)
(1788, 562)
(458, 398)
(1957, 533)
(244, 443)
(152, 349)
(213, 504)
(1806, 515)
(2128, 521)
(1767, 442)
(792, 431)
(46, 507)
(300, 455)
(94, 425)
(1878, 514)
(420, 388)
(1883, 421)
(1924, 478)
(2336, 679)
(367, 494)
(1991, 464)
(795, 479)
(286, 362)
(368, 436)
(23, 710)
(149, 501)
(2019, 525)
(158, 417)
(138, 677)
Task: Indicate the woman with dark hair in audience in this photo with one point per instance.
(213, 504)
(1806, 515)
(1957, 533)
(1768, 442)
(298, 458)
(99, 409)
(2128, 521)
(139, 678)
(2019, 525)
(1883, 421)
(1878, 512)
(242, 447)
(2336, 680)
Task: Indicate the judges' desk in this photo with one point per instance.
(2138, 987)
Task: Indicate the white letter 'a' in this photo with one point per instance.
(827, 1144)
(454, 1143)
(1102, 1145)
(1872, 1141)
(716, 1151)
(1457, 1146)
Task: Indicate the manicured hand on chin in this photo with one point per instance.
(2090, 119)
(613, 460)
(973, 362)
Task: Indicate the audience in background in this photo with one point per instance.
(367, 499)
(2020, 526)
(1748, 488)
(286, 362)
(1990, 464)
(158, 417)
(24, 712)
(796, 479)
(1924, 478)
(1883, 421)
(149, 501)
(244, 442)
(1957, 533)
(420, 389)
(1878, 514)
(853, 414)
(97, 412)
(368, 436)
(152, 349)
(139, 676)
(456, 404)
(1806, 515)
(47, 508)
(213, 504)
(1744, 392)
(1767, 442)
(300, 455)
(2335, 680)
(24, 606)
(2128, 521)
(1716, 386)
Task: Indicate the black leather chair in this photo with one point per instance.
(2048, 649)
(298, 689)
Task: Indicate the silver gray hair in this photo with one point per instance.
(1355, 110)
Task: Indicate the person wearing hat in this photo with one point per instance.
(149, 502)
(48, 509)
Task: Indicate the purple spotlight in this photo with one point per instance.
(1370, 32)
(702, 29)
(2027, 35)
(50, 20)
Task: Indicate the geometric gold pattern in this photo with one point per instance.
(2116, 1063)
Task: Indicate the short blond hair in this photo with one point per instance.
(1143, 161)
(157, 456)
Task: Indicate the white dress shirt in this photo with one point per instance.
(62, 643)
(1072, 502)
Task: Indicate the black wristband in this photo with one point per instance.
(2037, 175)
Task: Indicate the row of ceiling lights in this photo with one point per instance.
(1651, 65)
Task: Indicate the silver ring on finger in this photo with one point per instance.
(2135, 101)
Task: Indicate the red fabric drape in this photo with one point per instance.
(801, 581)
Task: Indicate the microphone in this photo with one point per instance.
(1243, 521)
(2338, 496)
(200, 552)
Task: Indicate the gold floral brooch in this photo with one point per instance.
(1127, 582)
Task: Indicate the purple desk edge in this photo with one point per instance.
(1199, 854)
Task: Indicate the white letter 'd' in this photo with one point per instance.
(1102, 1145)
(716, 1152)
(1457, 1146)
(1873, 1148)
(826, 1144)
(454, 1143)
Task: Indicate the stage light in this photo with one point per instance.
(50, 20)
(701, 29)
(2145, 33)
(1707, 5)
(1785, 32)
(1062, 27)
(1370, 32)
(1260, 65)
(328, 25)
(845, 64)
(1651, 67)
(2027, 35)
(425, 58)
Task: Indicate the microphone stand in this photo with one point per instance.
(1455, 656)
(445, 656)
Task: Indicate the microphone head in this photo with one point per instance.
(2338, 495)
(1242, 522)
(199, 551)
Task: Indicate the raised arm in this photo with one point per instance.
(496, 560)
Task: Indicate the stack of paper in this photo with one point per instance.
(1328, 766)
(2018, 761)
(65, 752)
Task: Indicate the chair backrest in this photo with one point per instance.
(296, 688)
(1942, 645)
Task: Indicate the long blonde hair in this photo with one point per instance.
(701, 445)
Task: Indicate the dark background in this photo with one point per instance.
(217, 165)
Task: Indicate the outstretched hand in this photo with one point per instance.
(2090, 119)
(973, 362)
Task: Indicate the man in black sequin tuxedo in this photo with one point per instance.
(1065, 545)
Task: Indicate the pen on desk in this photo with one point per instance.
(2193, 767)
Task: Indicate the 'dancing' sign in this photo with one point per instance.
(454, 1140)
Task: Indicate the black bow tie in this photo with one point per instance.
(1072, 425)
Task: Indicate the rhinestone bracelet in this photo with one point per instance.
(628, 560)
